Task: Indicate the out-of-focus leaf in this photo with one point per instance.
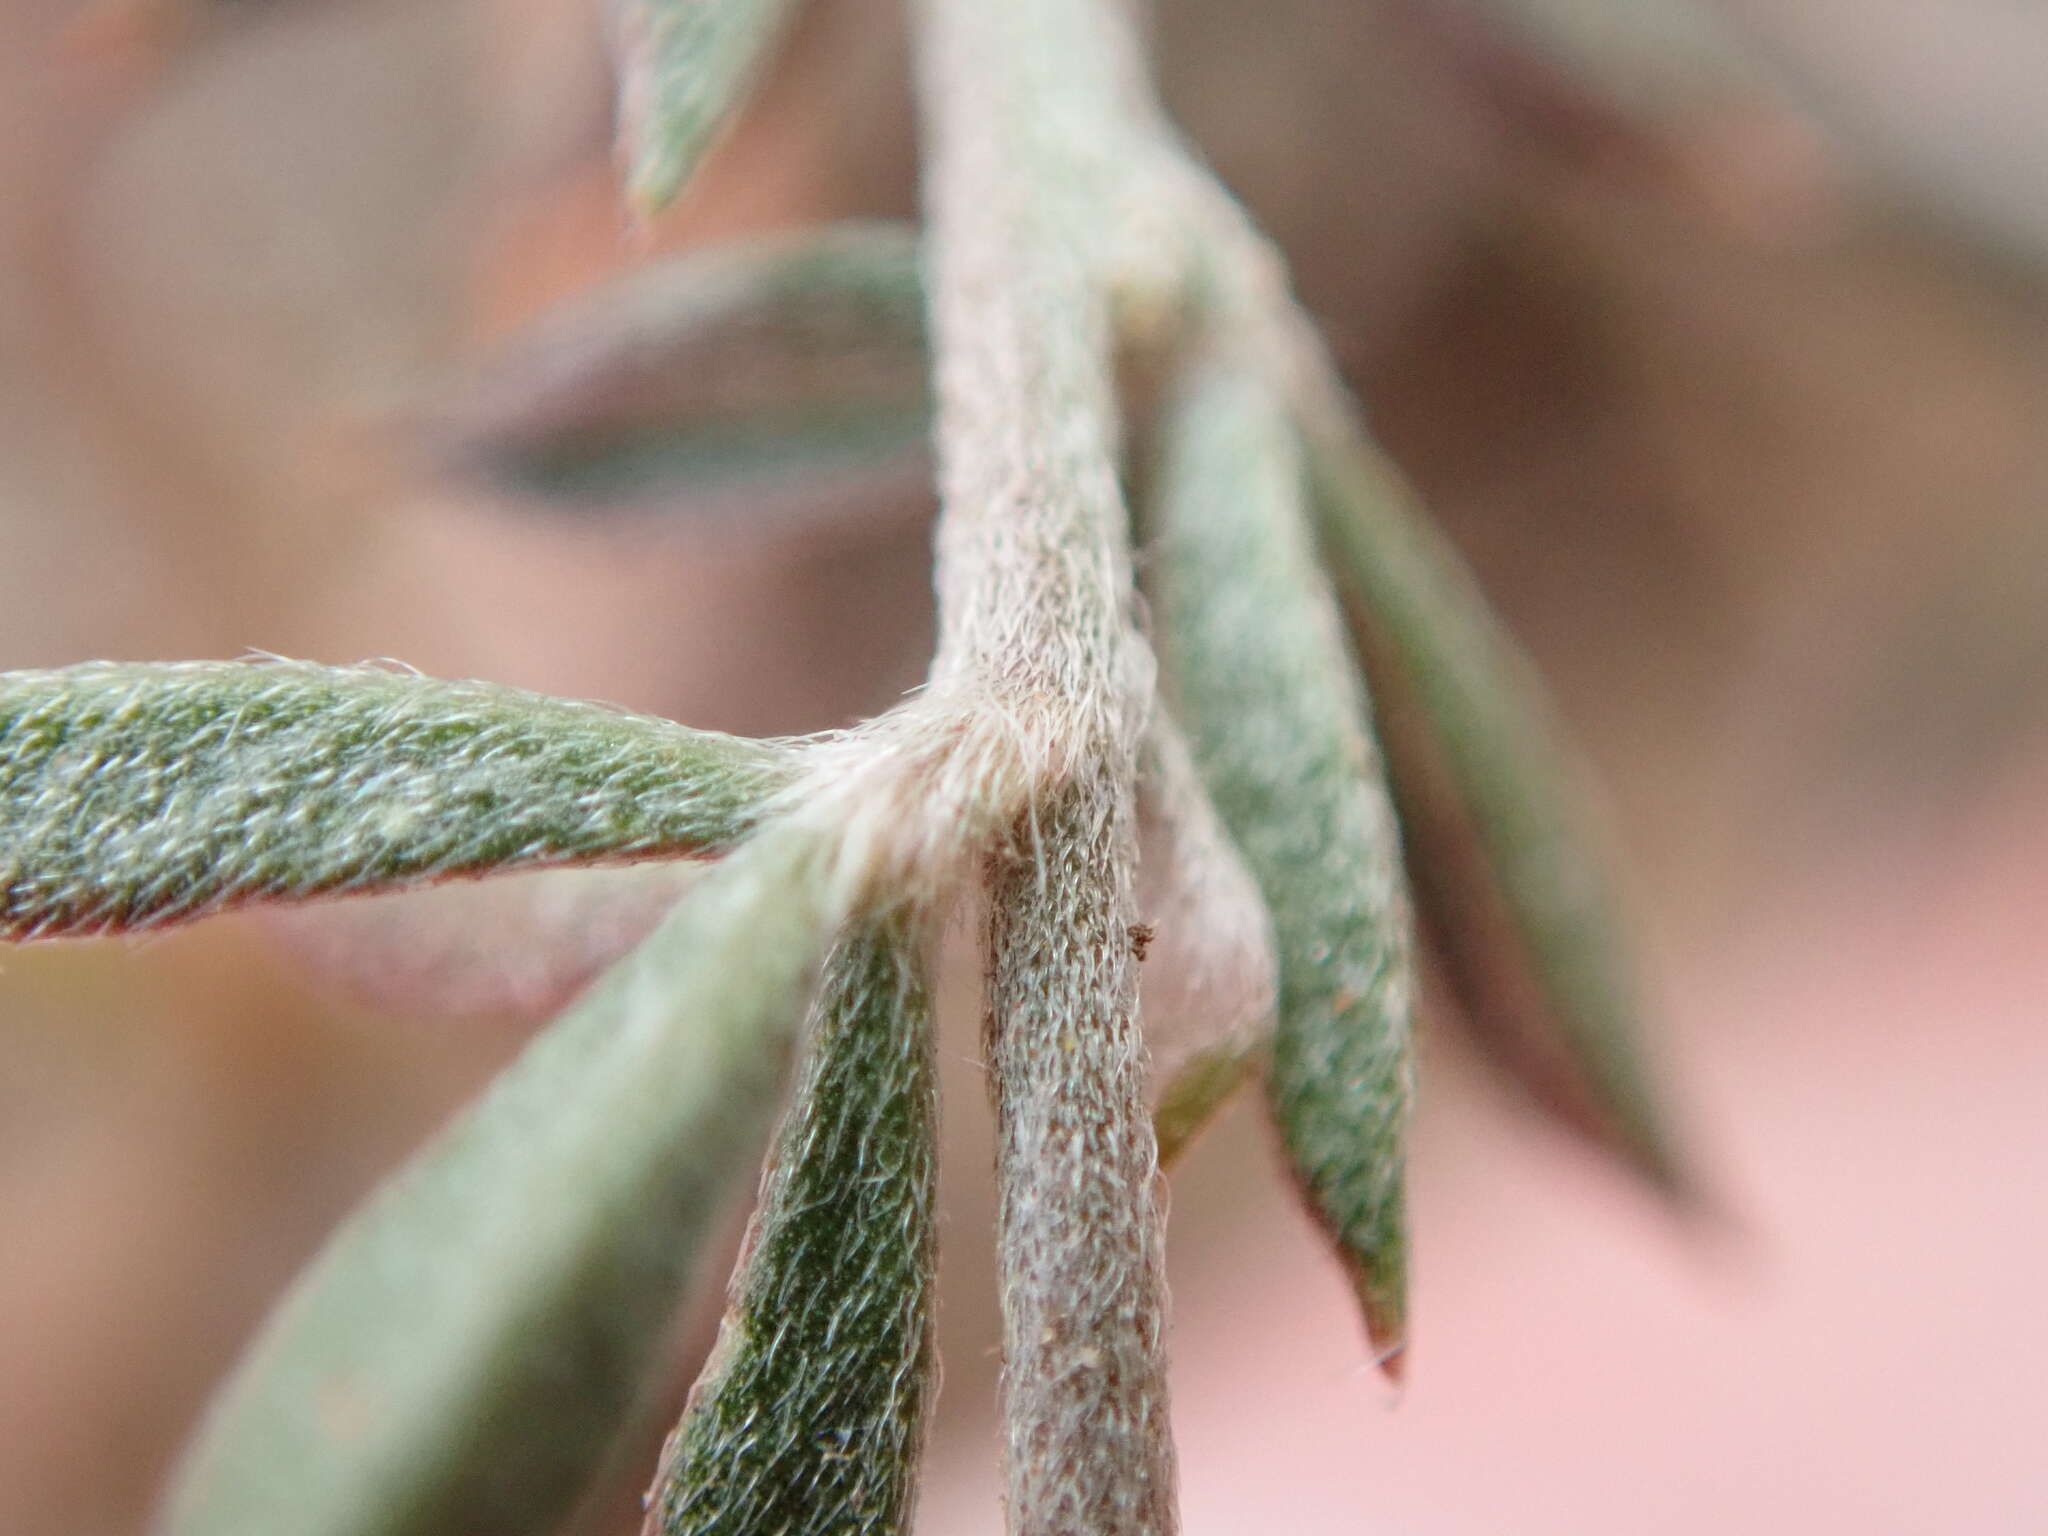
(1652, 57)
(684, 68)
(808, 1419)
(770, 383)
(1253, 652)
(136, 795)
(521, 944)
(1504, 852)
(460, 1355)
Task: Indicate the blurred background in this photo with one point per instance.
(1719, 339)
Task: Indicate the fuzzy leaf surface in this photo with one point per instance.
(685, 66)
(809, 1418)
(1253, 653)
(138, 795)
(459, 1356)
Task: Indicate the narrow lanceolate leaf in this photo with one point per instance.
(1252, 646)
(808, 1420)
(684, 67)
(763, 384)
(1504, 851)
(460, 1355)
(133, 796)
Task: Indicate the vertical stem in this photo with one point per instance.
(1025, 103)
(1089, 1446)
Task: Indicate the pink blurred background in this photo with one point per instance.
(1733, 382)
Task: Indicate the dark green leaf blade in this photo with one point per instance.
(808, 1420)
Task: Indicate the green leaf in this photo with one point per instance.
(767, 383)
(1504, 851)
(136, 795)
(460, 1355)
(684, 68)
(1253, 654)
(808, 1420)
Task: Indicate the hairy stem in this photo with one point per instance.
(1088, 1439)
(1025, 104)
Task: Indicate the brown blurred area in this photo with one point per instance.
(1739, 415)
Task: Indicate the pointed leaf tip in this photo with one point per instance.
(1507, 857)
(1252, 652)
(684, 68)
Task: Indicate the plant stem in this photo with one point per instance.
(1083, 1308)
(1024, 105)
